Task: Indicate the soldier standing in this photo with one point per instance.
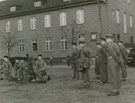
(97, 66)
(102, 64)
(125, 57)
(114, 63)
(41, 73)
(84, 63)
(31, 73)
(75, 60)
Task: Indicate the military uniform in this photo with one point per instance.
(103, 65)
(97, 62)
(16, 68)
(75, 62)
(31, 72)
(22, 72)
(125, 57)
(114, 63)
(41, 73)
(7, 69)
(85, 65)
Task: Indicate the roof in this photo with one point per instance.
(26, 6)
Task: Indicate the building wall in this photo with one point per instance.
(115, 28)
(91, 25)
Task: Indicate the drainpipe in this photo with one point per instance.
(100, 21)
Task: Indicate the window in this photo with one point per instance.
(34, 45)
(13, 9)
(21, 46)
(80, 16)
(131, 21)
(48, 44)
(63, 43)
(118, 37)
(20, 25)
(33, 23)
(37, 4)
(63, 19)
(131, 40)
(47, 21)
(117, 16)
(65, 0)
(8, 26)
(125, 22)
(9, 48)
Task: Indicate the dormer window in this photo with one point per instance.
(13, 9)
(37, 3)
(65, 0)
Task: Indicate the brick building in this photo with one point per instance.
(49, 27)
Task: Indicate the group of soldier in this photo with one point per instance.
(110, 63)
(24, 70)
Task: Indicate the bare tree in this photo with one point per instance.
(73, 31)
(9, 41)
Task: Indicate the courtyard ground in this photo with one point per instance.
(62, 89)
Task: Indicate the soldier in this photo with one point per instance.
(22, 74)
(102, 63)
(31, 73)
(114, 63)
(16, 67)
(75, 60)
(51, 60)
(97, 66)
(125, 57)
(84, 63)
(7, 68)
(41, 73)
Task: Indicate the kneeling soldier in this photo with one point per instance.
(41, 73)
(7, 68)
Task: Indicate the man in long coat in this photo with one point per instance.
(114, 63)
(84, 63)
(97, 62)
(102, 64)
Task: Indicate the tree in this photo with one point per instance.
(9, 41)
(73, 31)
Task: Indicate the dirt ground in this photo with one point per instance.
(62, 89)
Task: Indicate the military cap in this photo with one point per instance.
(109, 35)
(102, 38)
(40, 55)
(98, 43)
(5, 56)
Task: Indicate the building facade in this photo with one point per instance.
(49, 27)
